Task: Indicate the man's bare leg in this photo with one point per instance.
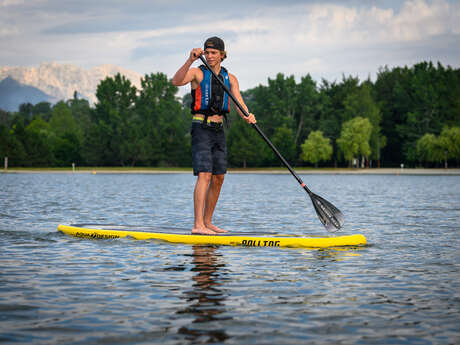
(199, 200)
(212, 197)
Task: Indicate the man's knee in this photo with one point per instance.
(218, 179)
(205, 177)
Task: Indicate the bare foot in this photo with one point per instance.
(215, 228)
(203, 231)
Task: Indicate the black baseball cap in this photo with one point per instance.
(214, 42)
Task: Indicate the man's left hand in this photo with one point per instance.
(250, 119)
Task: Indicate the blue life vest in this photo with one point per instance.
(209, 97)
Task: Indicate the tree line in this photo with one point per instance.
(409, 115)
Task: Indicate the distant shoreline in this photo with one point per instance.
(300, 171)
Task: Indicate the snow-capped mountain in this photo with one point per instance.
(60, 81)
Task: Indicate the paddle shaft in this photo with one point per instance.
(262, 134)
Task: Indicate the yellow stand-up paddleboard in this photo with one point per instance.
(230, 239)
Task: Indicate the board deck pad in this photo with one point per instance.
(165, 230)
(177, 235)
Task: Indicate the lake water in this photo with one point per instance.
(403, 288)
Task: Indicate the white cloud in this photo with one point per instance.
(329, 40)
(9, 30)
(6, 3)
(331, 24)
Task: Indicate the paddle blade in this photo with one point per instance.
(328, 214)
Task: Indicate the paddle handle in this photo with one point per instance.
(262, 134)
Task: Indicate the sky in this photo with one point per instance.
(326, 39)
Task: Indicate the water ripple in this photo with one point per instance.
(56, 289)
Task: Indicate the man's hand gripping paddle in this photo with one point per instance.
(328, 214)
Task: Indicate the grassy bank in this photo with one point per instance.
(271, 170)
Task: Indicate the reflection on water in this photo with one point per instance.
(206, 299)
(338, 253)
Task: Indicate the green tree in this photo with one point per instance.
(354, 138)
(308, 107)
(165, 123)
(81, 112)
(283, 139)
(4, 117)
(62, 121)
(26, 109)
(360, 103)
(38, 143)
(66, 136)
(17, 155)
(316, 148)
(245, 146)
(428, 148)
(274, 105)
(414, 101)
(108, 139)
(67, 150)
(10, 145)
(285, 105)
(391, 107)
(43, 109)
(332, 108)
(449, 140)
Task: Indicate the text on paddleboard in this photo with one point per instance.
(260, 243)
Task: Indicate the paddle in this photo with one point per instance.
(328, 214)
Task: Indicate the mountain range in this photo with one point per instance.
(52, 82)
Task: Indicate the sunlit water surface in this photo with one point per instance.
(403, 288)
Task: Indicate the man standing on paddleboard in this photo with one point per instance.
(210, 104)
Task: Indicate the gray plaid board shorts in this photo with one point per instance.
(209, 150)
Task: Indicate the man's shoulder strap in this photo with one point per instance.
(222, 69)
